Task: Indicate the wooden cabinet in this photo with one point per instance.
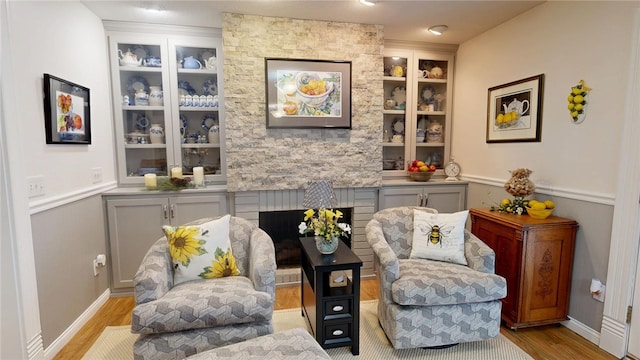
(446, 197)
(135, 223)
(167, 99)
(418, 88)
(536, 258)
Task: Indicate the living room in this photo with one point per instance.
(580, 167)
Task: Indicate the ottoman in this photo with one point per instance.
(290, 344)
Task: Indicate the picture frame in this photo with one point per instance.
(304, 93)
(514, 111)
(67, 113)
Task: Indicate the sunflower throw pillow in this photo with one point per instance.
(439, 236)
(201, 251)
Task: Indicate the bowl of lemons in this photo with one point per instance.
(540, 209)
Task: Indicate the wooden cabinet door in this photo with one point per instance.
(189, 208)
(507, 244)
(134, 225)
(444, 198)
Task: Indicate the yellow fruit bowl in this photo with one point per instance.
(539, 214)
(420, 175)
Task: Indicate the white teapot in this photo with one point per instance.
(211, 63)
(128, 58)
(520, 107)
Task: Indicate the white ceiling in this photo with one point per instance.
(402, 20)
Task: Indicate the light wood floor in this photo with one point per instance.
(547, 342)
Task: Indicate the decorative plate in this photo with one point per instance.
(399, 94)
(397, 126)
(141, 51)
(142, 123)
(186, 88)
(136, 83)
(427, 94)
(183, 125)
(208, 121)
(210, 87)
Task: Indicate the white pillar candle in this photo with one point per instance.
(150, 181)
(176, 172)
(198, 175)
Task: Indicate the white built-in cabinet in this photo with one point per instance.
(191, 126)
(135, 222)
(446, 197)
(418, 88)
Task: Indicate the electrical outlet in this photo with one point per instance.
(96, 175)
(36, 185)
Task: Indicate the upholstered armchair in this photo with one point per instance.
(427, 303)
(176, 321)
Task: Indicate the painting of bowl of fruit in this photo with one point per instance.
(311, 89)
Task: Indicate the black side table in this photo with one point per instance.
(333, 313)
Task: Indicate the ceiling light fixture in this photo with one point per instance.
(368, 2)
(438, 29)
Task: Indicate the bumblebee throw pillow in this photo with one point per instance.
(439, 236)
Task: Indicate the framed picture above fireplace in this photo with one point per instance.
(308, 93)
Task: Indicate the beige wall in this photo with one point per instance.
(266, 159)
(575, 165)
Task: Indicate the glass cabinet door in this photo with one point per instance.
(140, 78)
(394, 136)
(197, 104)
(431, 110)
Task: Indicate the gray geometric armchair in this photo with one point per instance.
(178, 321)
(426, 303)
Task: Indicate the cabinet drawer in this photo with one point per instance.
(337, 309)
(337, 333)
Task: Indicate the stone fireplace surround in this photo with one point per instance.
(249, 204)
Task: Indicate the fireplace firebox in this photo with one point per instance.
(282, 227)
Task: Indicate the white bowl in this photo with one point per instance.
(313, 100)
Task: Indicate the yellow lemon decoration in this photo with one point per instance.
(577, 101)
(505, 201)
(537, 205)
(549, 204)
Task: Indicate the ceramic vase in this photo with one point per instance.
(156, 134)
(326, 247)
(141, 98)
(155, 96)
(214, 134)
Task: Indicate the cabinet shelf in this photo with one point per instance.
(145, 146)
(197, 108)
(140, 69)
(433, 81)
(142, 107)
(433, 113)
(200, 146)
(198, 71)
(393, 144)
(394, 112)
(436, 144)
(395, 78)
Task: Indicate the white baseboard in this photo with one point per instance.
(52, 350)
(582, 330)
(613, 337)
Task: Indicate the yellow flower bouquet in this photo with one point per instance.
(324, 223)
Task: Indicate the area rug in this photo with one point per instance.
(116, 342)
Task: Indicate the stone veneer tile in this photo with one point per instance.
(268, 159)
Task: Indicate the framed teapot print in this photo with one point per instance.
(514, 111)
(67, 116)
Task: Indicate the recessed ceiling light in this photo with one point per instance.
(438, 29)
(368, 2)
